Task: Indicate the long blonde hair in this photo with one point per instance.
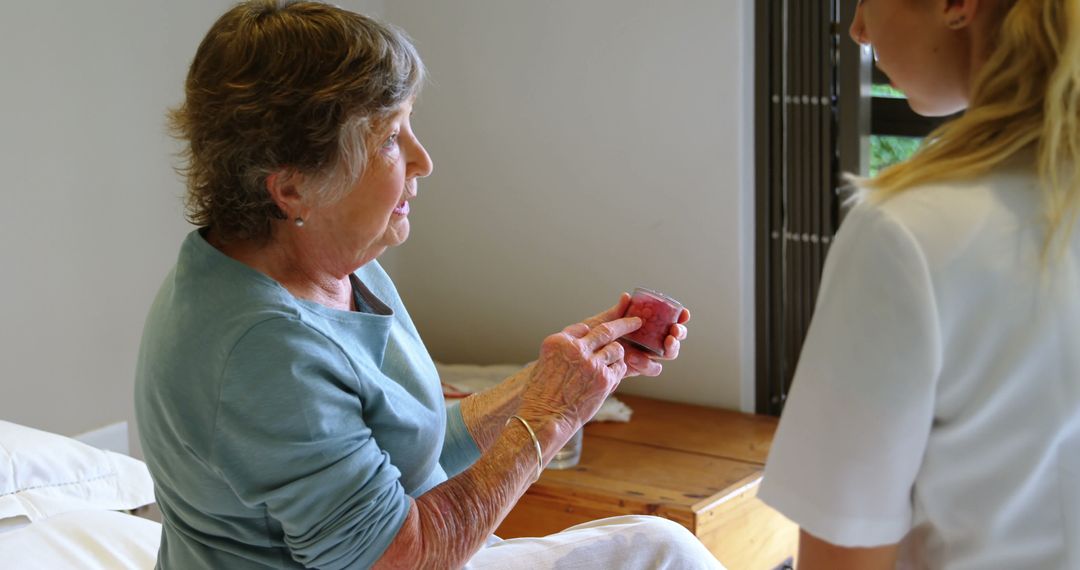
(1026, 96)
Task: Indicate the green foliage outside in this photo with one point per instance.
(887, 150)
(884, 90)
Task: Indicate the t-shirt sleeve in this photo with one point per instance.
(289, 436)
(855, 425)
(459, 448)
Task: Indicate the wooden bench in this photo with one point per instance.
(698, 466)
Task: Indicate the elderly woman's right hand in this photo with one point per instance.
(578, 368)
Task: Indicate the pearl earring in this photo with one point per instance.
(299, 222)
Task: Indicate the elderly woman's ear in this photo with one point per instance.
(286, 189)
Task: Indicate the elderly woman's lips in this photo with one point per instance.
(402, 208)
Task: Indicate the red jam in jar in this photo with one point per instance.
(657, 312)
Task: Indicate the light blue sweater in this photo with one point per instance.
(281, 433)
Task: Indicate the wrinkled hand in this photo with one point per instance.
(578, 368)
(639, 361)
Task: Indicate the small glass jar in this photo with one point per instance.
(570, 453)
(657, 312)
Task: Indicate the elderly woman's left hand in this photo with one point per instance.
(639, 362)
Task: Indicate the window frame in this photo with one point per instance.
(786, 277)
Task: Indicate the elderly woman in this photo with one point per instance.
(288, 410)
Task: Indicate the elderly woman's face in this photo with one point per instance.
(374, 215)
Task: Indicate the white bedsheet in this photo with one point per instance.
(86, 540)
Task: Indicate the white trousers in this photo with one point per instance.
(619, 543)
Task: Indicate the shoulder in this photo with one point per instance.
(949, 213)
(961, 228)
(280, 345)
(210, 309)
(873, 240)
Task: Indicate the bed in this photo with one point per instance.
(65, 504)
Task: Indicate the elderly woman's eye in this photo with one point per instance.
(391, 141)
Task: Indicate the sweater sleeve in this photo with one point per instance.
(855, 425)
(459, 448)
(289, 437)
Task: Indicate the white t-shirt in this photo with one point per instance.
(937, 398)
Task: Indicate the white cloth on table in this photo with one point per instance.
(633, 542)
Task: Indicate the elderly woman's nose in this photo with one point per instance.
(420, 163)
(858, 28)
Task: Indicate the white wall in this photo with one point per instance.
(91, 217)
(581, 148)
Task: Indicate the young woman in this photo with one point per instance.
(934, 420)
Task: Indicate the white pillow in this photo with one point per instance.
(43, 474)
(87, 540)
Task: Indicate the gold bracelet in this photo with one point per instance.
(536, 443)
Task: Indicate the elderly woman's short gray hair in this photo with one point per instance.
(283, 84)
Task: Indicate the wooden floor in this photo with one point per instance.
(698, 466)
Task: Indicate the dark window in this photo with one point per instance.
(822, 110)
